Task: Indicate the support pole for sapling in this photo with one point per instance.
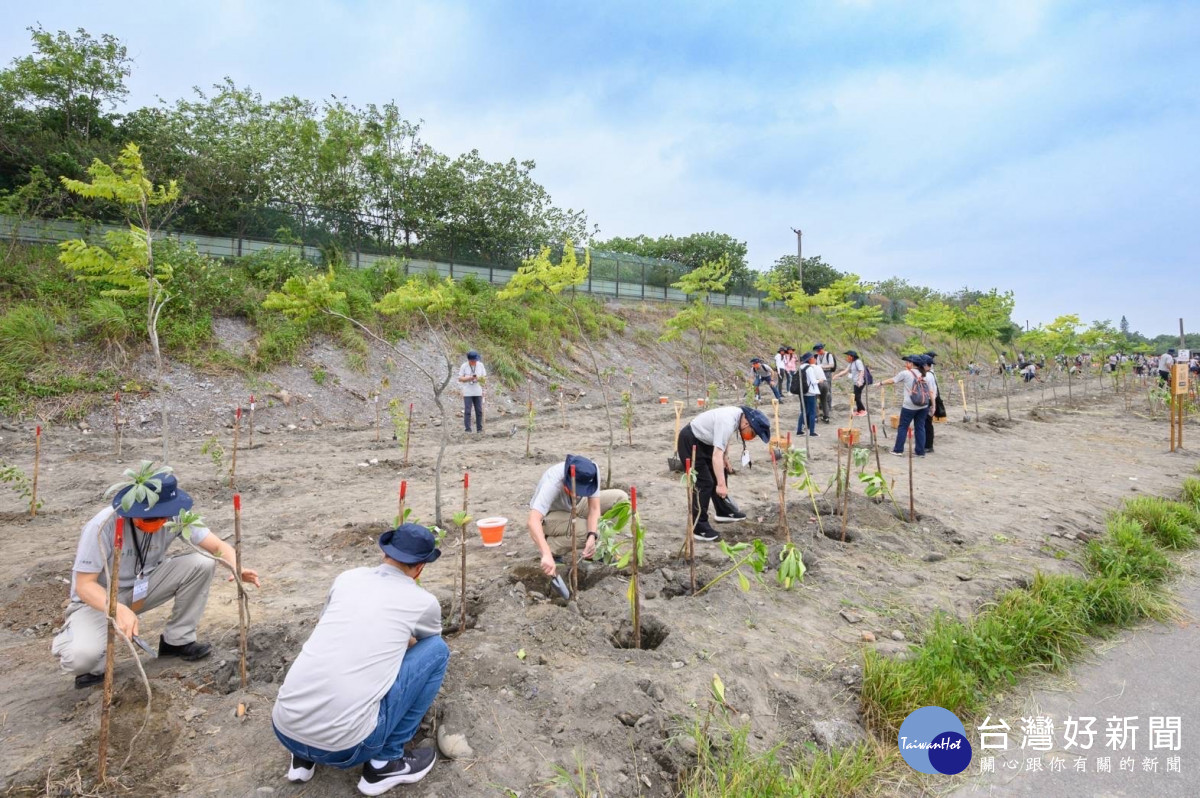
(781, 486)
(691, 540)
(251, 444)
(237, 425)
(237, 561)
(678, 418)
(462, 621)
(528, 416)
(109, 651)
(408, 433)
(37, 461)
(912, 508)
(378, 418)
(574, 576)
(117, 422)
(400, 502)
(562, 408)
(633, 574)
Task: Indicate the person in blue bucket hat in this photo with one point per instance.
(369, 671)
(550, 509)
(148, 577)
(709, 434)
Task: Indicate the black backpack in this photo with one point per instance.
(867, 378)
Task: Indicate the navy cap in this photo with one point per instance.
(587, 476)
(910, 359)
(851, 353)
(410, 544)
(931, 354)
(818, 346)
(168, 504)
(758, 423)
(807, 355)
(472, 355)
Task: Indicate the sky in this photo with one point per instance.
(1043, 147)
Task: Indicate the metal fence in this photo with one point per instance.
(613, 274)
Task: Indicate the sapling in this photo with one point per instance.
(753, 555)
(629, 551)
(242, 608)
(18, 480)
(791, 565)
(461, 519)
(250, 442)
(690, 478)
(399, 420)
(562, 408)
(627, 414)
(795, 464)
(408, 433)
(237, 425)
(216, 453)
(117, 422)
(635, 559)
(530, 415)
(712, 396)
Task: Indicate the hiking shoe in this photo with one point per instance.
(705, 533)
(860, 413)
(729, 516)
(898, 454)
(814, 434)
(189, 652)
(300, 770)
(407, 770)
(88, 680)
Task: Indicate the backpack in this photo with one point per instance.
(920, 393)
(867, 378)
(797, 384)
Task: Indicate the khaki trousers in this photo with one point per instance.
(80, 644)
(557, 523)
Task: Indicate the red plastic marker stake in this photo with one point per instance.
(687, 466)
(466, 480)
(119, 535)
(633, 497)
(238, 414)
(237, 502)
(39, 430)
(403, 488)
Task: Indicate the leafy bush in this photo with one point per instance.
(104, 320)
(28, 337)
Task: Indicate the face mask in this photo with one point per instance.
(748, 434)
(149, 525)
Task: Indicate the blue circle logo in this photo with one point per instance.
(933, 740)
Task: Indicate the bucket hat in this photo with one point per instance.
(410, 543)
(587, 477)
(168, 505)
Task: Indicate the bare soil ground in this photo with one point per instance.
(996, 502)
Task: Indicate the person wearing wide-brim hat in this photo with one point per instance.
(858, 378)
(369, 671)
(147, 579)
(910, 411)
(709, 433)
(938, 408)
(828, 364)
(550, 508)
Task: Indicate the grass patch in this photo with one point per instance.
(734, 770)
(1039, 628)
(1191, 491)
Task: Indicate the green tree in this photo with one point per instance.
(540, 274)
(126, 262)
(690, 252)
(1059, 338)
(843, 301)
(783, 278)
(698, 316)
(70, 79)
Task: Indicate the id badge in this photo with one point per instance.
(746, 459)
(141, 587)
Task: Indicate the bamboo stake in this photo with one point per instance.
(678, 416)
(378, 418)
(408, 433)
(781, 486)
(237, 561)
(528, 415)
(691, 541)
(37, 461)
(462, 622)
(562, 408)
(109, 652)
(912, 512)
(117, 422)
(633, 576)
(251, 443)
(400, 502)
(574, 539)
(237, 425)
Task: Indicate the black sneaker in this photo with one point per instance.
(729, 516)
(300, 770)
(189, 652)
(408, 770)
(88, 680)
(705, 533)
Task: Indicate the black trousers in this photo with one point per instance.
(858, 403)
(939, 411)
(706, 478)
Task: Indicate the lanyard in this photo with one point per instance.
(139, 553)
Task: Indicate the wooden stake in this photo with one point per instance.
(408, 433)
(251, 444)
(37, 461)
(528, 415)
(109, 651)
(400, 503)
(117, 422)
(562, 408)
(378, 418)
(781, 486)
(237, 425)
(678, 416)
(633, 575)
(237, 564)
(691, 541)
(912, 511)
(574, 576)
(462, 622)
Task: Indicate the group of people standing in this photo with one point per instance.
(810, 377)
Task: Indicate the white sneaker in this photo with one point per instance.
(300, 770)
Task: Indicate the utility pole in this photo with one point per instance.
(799, 257)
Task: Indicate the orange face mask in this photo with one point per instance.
(149, 525)
(748, 434)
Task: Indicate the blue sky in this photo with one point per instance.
(1045, 147)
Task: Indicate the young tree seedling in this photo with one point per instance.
(635, 561)
(37, 462)
(237, 425)
(690, 476)
(912, 511)
(530, 415)
(627, 414)
(795, 463)
(243, 610)
(462, 519)
(562, 408)
(250, 442)
(753, 554)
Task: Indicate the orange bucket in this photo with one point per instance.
(894, 420)
(849, 437)
(700, 402)
(662, 400)
(492, 530)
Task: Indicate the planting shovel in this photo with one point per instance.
(962, 388)
(558, 584)
(144, 646)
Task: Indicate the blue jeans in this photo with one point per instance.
(477, 403)
(809, 412)
(770, 384)
(400, 710)
(917, 419)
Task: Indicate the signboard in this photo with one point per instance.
(1179, 379)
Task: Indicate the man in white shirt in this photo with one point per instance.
(1165, 363)
(709, 434)
(470, 376)
(550, 507)
(811, 379)
(828, 364)
(369, 671)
